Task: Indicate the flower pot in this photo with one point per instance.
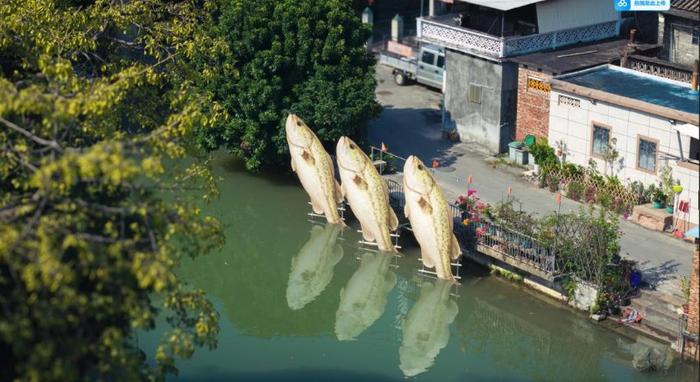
(657, 204)
(677, 188)
(669, 209)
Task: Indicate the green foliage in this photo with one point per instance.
(543, 153)
(98, 108)
(575, 190)
(506, 274)
(390, 167)
(685, 287)
(302, 56)
(585, 243)
(658, 195)
(569, 284)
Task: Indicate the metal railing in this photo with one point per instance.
(438, 31)
(659, 68)
(496, 237)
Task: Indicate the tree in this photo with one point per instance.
(301, 56)
(98, 106)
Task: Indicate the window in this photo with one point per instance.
(696, 36)
(441, 62)
(428, 58)
(475, 93)
(646, 156)
(601, 140)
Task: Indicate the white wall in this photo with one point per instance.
(557, 15)
(574, 125)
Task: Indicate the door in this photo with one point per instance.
(431, 68)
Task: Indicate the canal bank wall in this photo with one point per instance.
(535, 277)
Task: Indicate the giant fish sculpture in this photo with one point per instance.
(363, 299)
(312, 268)
(426, 328)
(430, 218)
(367, 193)
(314, 168)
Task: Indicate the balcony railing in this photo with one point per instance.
(660, 68)
(439, 31)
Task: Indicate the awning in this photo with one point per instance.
(688, 129)
(503, 5)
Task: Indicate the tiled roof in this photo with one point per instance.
(686, 5)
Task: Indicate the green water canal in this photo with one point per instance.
(299, 303)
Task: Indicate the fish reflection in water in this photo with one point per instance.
(312, 268)
(426, 327)
(364, 297)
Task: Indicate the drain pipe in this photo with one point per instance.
(694, 78)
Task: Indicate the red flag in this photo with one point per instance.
(510, 190)
(558, 199)
(469, 180)
(436, 164)
(384, 148)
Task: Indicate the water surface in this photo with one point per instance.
(301, 302)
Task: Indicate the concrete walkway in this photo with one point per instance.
(411, 125)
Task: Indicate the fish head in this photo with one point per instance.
(350, 156)
(298, 133)
(416, 176)
(349, 325)
(415, 355)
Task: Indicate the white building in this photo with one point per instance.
(651, 121)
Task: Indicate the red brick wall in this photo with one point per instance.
(533, 106)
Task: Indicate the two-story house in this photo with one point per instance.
(481, 35)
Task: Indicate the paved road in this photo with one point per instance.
(410, 124)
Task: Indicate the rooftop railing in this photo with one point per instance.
(443, 31)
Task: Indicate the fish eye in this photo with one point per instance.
(298, 123)
(352, 146)
(420, 167)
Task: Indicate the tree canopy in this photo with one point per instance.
(99, 102)
(301, 56)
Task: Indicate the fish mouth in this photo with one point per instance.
(344, 155)
(296, 131)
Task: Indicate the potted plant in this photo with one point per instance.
(657, 198)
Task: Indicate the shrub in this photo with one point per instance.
(575, 190)
(553, 183)
(543, 154)
(590, 196)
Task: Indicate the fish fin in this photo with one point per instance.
(406, 211)
(339, 192)
(427, 261)
(316, 207)
(393, 219)
(294, 166)
(368, 236)
(361, 184)
(425, 205)
(456, 250)
(308, 157)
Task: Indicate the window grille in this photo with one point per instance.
(570, 101)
